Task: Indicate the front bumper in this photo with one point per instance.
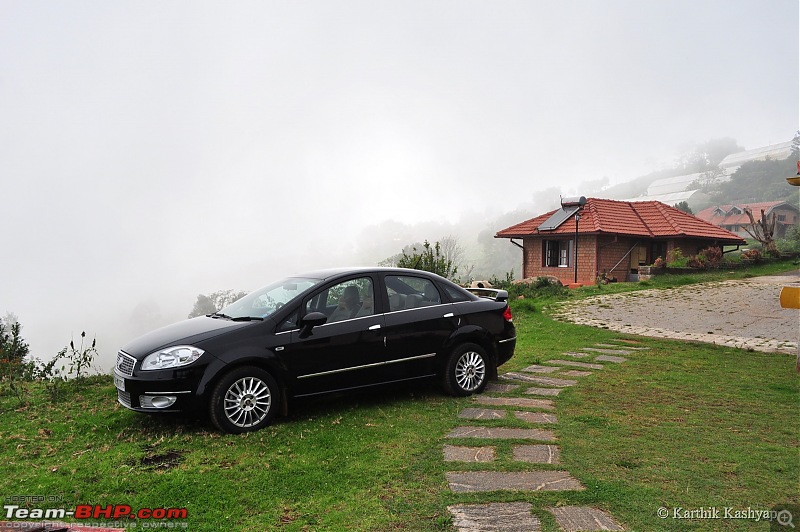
(159, 391)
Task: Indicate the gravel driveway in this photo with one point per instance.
(745, 313)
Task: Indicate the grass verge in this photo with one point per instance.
(681, 425)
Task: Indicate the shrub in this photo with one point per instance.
(711, 257)
(676, 259)
(537, 287)
(751, 256)
(659, 263)
(697, 262)
(16, 372)
(790, 244)
(80, 359)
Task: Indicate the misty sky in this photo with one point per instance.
(150, 151)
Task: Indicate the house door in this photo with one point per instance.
(638, 258)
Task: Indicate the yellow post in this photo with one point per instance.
(790, 298)
(790, 295)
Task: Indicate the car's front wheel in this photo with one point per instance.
(466, 371)
(244, 400)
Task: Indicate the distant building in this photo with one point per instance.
(614, 238)
(775, 152)
(734, 218)
(673, 190)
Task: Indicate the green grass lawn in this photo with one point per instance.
(681, 425)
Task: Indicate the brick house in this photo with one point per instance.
(735, 219)
(614, 238)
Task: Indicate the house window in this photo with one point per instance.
(557, 253)
(781, 217)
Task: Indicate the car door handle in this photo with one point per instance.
(448, 315)
(375, 327)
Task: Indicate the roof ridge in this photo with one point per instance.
(668, 215)
(591, 203)
(639, 216)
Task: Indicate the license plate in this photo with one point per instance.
(119, 382)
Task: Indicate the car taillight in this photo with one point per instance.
(507, 314)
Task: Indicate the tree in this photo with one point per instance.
(763, 230)
(683, 206)
(429, 259)
(757, 181)
(12, 347)
(209, 304)
(707, 155)
(454, 252)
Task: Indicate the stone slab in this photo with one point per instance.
(536, 368)
(609, 358)
(481, 481)
(455, 453)
(494, 517)
(501, 433)
(537, 379)
(577, 373)
(537, 454)
(482, 413)
(579, 518)
(617, 346)
(575, 364)
(544, 404)
(607, 351)
(576, 355)
(536, 417)
(544, 391)
(494, 387)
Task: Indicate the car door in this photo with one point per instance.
(345, 352)
(418, 322)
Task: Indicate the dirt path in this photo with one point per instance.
(745, 314)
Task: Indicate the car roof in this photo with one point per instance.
(330, 273)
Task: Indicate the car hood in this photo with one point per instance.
(187, 332)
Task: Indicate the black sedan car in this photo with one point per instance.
(317, 333)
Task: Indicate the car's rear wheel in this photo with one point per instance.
(466, 371)
(244, 400)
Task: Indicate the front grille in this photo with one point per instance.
(125, 363)
(124, 398)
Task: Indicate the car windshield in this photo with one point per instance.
(263, 302)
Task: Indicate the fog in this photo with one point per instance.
(152, 151)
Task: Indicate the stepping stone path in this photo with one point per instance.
(544, 391)
(544, 404)
(609, 358)
(536, 368)
(535, 460)
(535, 379)
(499, 517)
(576, 518)
(482, 413)
(574, 364)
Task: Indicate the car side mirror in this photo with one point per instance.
(311, 320)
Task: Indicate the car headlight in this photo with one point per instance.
(172, 357)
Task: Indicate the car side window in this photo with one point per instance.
(291, 322)
(456, 295)
(407, 292)
(347, 300)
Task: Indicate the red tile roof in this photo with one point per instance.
(651, 219)
(709, 215)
